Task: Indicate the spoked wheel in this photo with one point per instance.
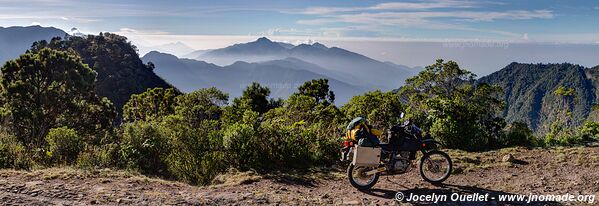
(435, 166)
(358, 178)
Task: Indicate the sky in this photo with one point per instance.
(384, 30)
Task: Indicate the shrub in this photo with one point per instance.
(13, 154)
(99, 156)
(195, 154)
(517, 134)
(64, 145)
(590, 130)
(142, 147)
(561, 136)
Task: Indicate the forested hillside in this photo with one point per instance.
(121, 73)
(532, 93)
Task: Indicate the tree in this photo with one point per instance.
(319, 90)
(200, 105)
(567, 97)
(48, 88)
(382, 109)
(151, 105)
(255, 96)
(459, 113)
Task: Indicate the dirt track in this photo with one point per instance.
(540, 171)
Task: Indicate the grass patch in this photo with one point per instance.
(234, 177)
(560, 158)
(465, 162)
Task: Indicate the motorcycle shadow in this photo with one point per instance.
(448, 190)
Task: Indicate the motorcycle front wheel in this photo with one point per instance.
(358, 178)
(435, 166)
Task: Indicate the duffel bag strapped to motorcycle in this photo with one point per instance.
(353, 128)
(367, 156)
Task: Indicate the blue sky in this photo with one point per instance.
(213, 24)
(536, 20)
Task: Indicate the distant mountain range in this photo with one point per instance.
(177, 48)
(283, 76)
(340, 64)
(15, 40)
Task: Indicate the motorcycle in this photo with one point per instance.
(397, 156)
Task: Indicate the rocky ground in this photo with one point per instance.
(537, 171)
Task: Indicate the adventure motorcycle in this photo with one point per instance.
(396, 156)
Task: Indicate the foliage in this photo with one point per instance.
(518, 134)
(151, 105)
(590, 130)
(255, 97)
(200, 105)
(99, 156)
(179, 137)
(120, 71)
(539, 94)
(143, 147)
(459, 113)
(382, 109)
(48, 89)
(12, 153)
(195, 153)
(561, 136)
(319, 89)
(64, 145)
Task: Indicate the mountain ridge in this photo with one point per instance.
(351, 66)
(529, 92)
(281, 76)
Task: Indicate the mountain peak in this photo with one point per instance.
(263, 39)
(319, 45)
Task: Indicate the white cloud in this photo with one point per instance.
(130, 31)
(437, 4)
(432, 14)
(404, 18)
(35, 23)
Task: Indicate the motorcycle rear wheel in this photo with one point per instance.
(355, 174)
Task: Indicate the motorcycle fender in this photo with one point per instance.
(381, 169)
(430, 143)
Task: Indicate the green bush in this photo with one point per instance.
(517, 134)
(99, 156)
(239, 140)
(195, 154)
(142, 148)
(13, 154)
(64, 145)
(272, 145)
(564, 136)
(590, 131)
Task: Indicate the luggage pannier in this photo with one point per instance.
(367, 156)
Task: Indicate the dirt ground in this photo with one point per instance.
(538, 171)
